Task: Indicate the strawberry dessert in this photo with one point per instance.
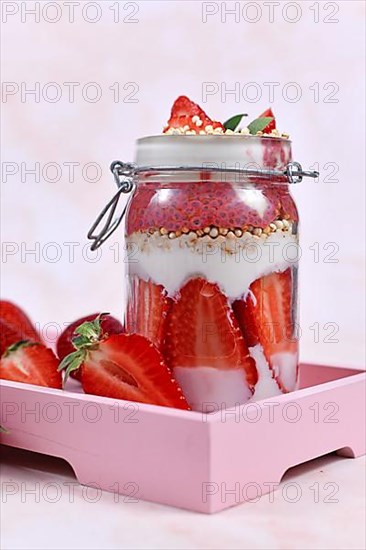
(211, 310)
(212, 232)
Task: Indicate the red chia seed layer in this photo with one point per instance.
(205, 204)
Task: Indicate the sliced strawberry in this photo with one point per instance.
(31, 363)
(64, 346)
(15, 326)
(183, 111)
(265, 317)
(130, 367)
(122, 366)
(245, 314)
(8, 336)
(147, 310)
(202, 331)
(272, 125)
(273, 294)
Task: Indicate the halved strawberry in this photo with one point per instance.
(15, 326)
(31, 363)
(109, 325)
(122, 366)
(202, 331)
(147, 310)
(272, 125)
(182, 113)
(265, 317)
(8, 336)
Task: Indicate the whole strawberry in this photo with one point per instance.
(122, 366)
(64, 346)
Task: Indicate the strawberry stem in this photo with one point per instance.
(90, 330)
(71, 362)
(87, 337)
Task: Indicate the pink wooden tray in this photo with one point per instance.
(204, 463)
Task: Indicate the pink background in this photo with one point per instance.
(170, 51)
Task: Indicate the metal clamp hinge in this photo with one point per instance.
(124, 177)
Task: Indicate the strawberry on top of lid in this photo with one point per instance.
(268, 113)
(188, 118)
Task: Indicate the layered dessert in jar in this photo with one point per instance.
(212, 258)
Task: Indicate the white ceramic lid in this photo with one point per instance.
(221, 151)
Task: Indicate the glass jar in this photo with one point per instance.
(212, 264)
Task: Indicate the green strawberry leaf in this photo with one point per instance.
(233, 122)
(81, 342)
(87, 336)
(71, 362)
(89, 329)
(259, 124)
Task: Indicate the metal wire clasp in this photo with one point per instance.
(124, 174)
(295, 173)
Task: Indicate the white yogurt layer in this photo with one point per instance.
(266, 385)
(207, 389)
(233, 264)
(285, 367)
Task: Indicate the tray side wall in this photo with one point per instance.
(148, 455)
(248, 457)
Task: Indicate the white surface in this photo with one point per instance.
(110, 523)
